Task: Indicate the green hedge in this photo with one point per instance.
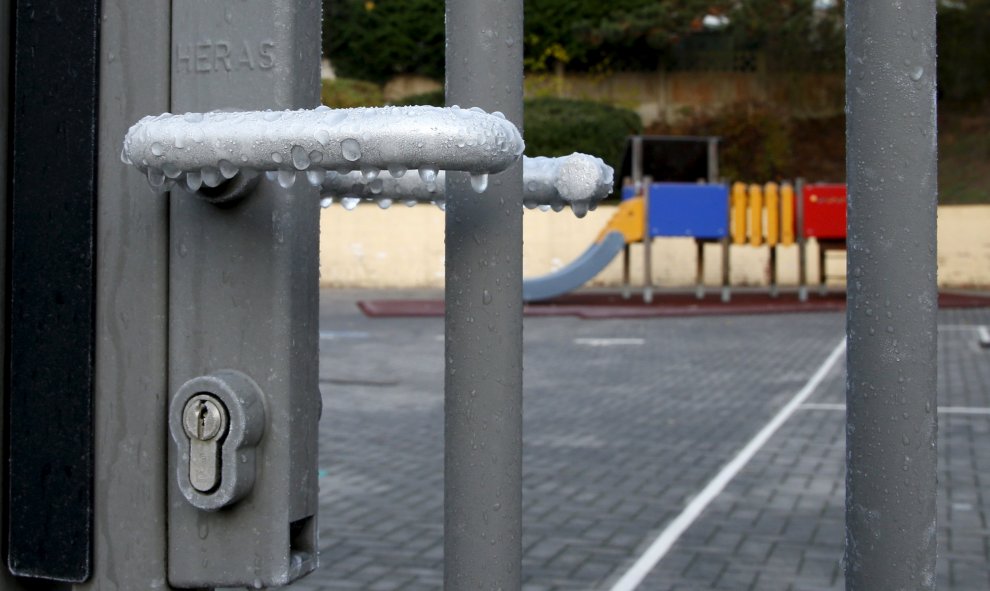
(558, 127)
(345, 93)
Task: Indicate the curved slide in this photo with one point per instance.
(625, 227)
(576, 274)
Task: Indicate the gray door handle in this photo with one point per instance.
(358, 153)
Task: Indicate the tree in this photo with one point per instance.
(964, 51)
(377, 39)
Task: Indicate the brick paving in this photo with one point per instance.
(617, 444)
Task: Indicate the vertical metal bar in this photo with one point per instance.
(637, 161)
(822, 272)
(774, 289)
(712, 160)
(647, 240)
(802, 242)
(726, 288)
(131, 389)
(699, 272)
(52, 288)
(891, 396)
(483, 383)
(626, 274)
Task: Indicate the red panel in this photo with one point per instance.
(825, 211)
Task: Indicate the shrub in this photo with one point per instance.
(345, 93)
(558, 127)
(433, 98)
(755, 141)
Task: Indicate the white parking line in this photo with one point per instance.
(663, 543)
(824, 406)
(942, 410)
(609, 342)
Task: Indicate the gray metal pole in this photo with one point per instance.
(891, 399)
(483, 383)
(131, 311)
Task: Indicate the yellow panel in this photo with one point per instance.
(628, 219)
(755, 215)
(772, 197)
(787, 214)
(738, 213)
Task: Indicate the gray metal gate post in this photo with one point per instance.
(483, 381)
(891, 398)
(243, 296)
(131, 310)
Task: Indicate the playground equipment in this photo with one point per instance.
(651, 210)
(822, 216)
(756, 215)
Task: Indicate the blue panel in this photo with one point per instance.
(688, 209)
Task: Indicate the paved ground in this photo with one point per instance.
(620, 442)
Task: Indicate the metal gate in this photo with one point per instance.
(161, 353)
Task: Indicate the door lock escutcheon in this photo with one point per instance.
(216, 422)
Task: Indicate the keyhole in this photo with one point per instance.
(204, 413)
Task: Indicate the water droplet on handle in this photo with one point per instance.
(350, 149)
(479, 182)
(156, 178)
(580, 208)
(211, 176)
(286, 178)
(396, 171)
(300, 159)
(350, 202)
(323, 136)
(194, 181)
(228, 169)
(316, 176)
(326, 202)
(428, 174)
